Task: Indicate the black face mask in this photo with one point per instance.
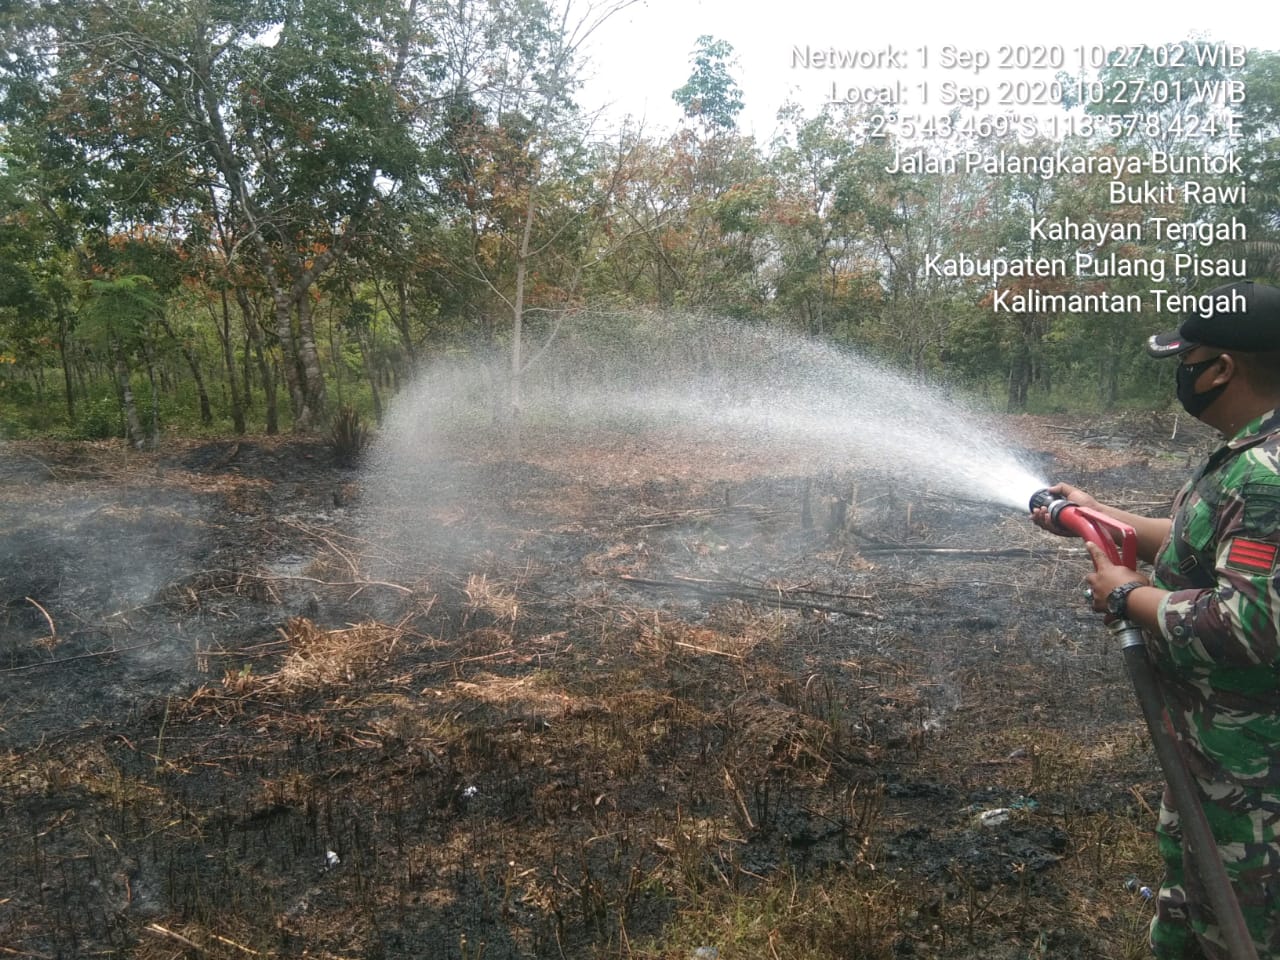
(1192, 402)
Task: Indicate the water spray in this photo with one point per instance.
(749, 386)
(1119, 541)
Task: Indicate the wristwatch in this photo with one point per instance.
(1118, 599)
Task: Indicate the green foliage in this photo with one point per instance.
(418, 177)
(118, 313)
(711, 95)
(1260, 156)
(99, 418)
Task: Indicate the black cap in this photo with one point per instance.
(1242, 316)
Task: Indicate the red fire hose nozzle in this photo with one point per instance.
(1091, 526)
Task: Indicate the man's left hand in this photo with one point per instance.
(1107, 576)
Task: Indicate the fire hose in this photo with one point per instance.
(1103, 531)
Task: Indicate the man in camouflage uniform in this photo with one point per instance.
(1211, 617)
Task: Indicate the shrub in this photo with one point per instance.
(99, 418)
(348, 436)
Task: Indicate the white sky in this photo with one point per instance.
(643, 53)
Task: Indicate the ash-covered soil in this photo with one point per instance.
(611, 698)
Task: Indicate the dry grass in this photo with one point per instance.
(837, 914)
(641, 777)
(317, 659)
(490, 597)
(602, 775)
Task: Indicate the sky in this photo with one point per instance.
(639, 56)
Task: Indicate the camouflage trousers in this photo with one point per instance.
(1246, 824)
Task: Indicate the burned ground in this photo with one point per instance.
(622, 696)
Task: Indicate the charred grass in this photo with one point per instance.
(614, 746)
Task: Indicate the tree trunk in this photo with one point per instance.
(312, 375)
(301, 359)
(372, 374)
(246, 371)
(335, 355)
(289, 359)
(64, 338)
(1111, 395)
(206, 412)
(400, 317)
(228, 356)
(260, 354)
(154, 438)
(517, 322)
(133, 426)
(269, 390)
(1019, 373)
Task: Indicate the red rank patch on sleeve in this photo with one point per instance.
(1252, 556)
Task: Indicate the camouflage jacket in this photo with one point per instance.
(1218, 648)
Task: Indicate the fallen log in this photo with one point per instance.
(774, 598)
(953, 551)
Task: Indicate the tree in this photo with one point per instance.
(517, 151)
(295, 120)
(119, 317)
(685, 216)
(38, 232)
(1259, 150)
(819, 274)
(711, 97)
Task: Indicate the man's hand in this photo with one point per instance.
(1040, 515)
(1107, 576)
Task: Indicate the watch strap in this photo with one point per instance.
(1118, 599)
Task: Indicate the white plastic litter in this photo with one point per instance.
(994, 818)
